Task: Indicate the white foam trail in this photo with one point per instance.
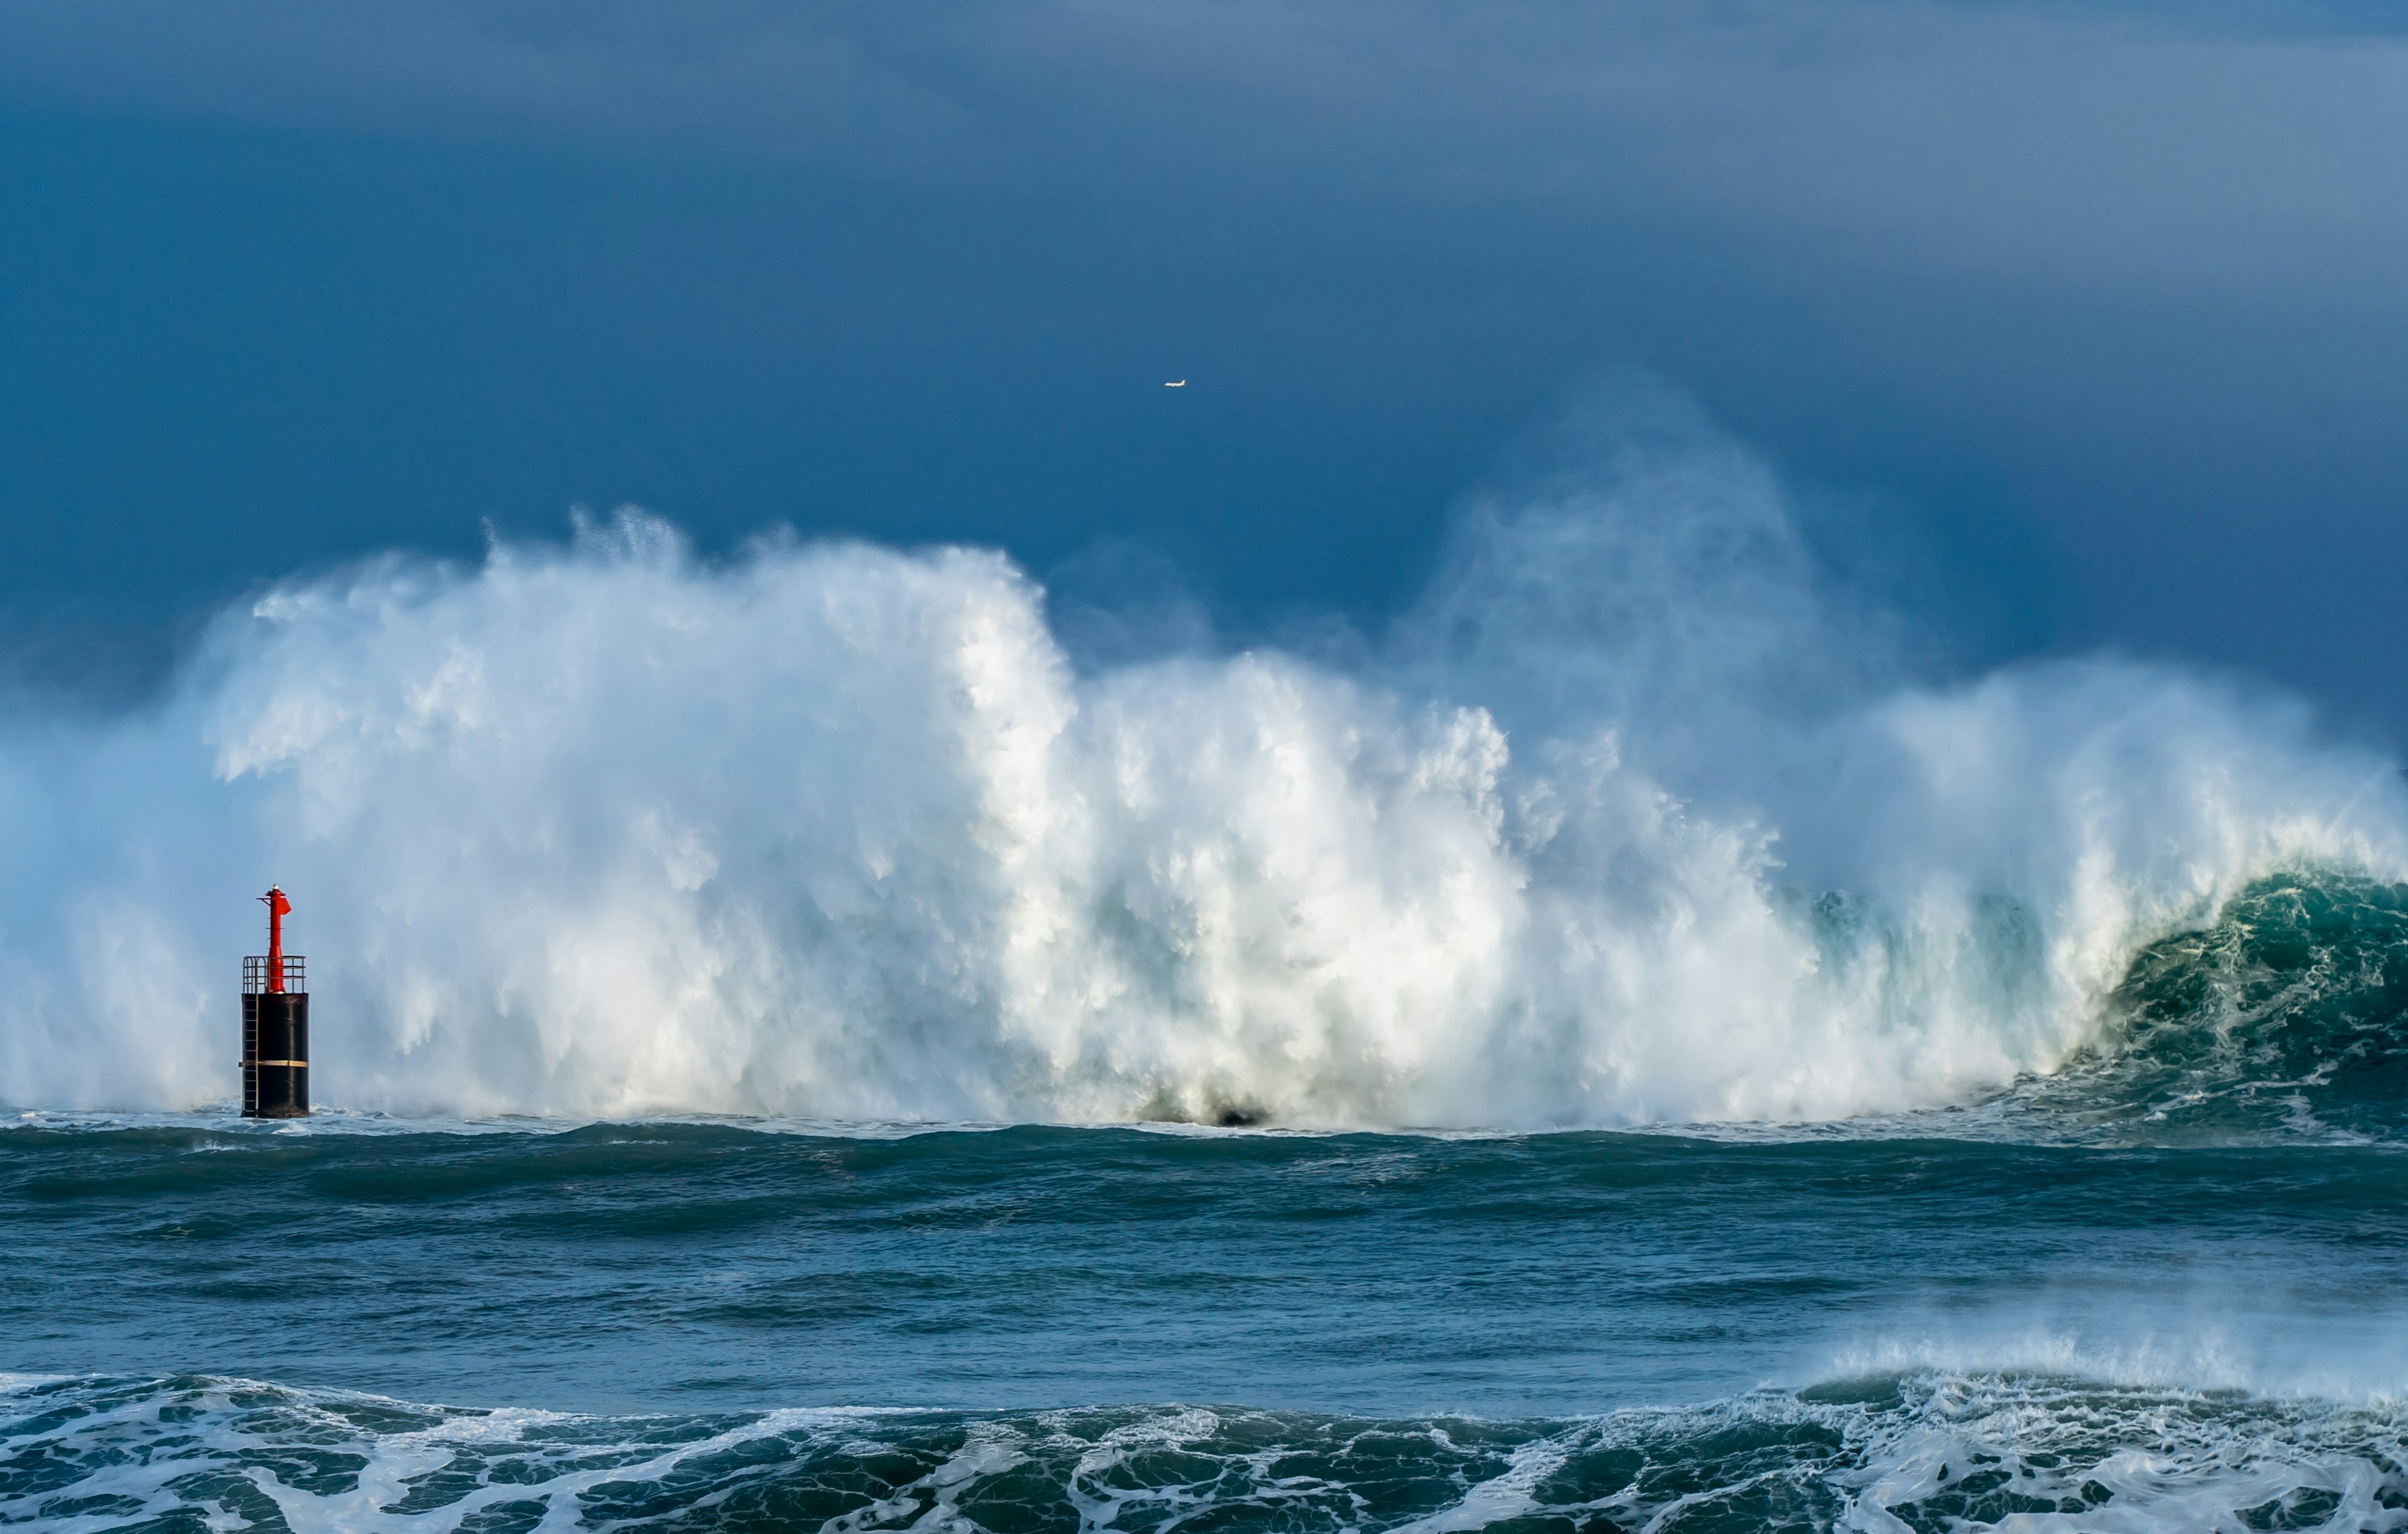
(2277, 1342)
(835, 831)
(1978, 1450)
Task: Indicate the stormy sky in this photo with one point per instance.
(2095, 317)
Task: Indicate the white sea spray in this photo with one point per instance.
(834, 830)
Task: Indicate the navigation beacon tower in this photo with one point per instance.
(275, 1025)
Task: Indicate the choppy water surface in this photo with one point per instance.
(2165, 1289)
(1056, 1328)
(1920, 1451)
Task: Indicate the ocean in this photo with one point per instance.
(1633, 1044)
(2165, 1288)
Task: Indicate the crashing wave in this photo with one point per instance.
(2286, 1017)
(840, 831)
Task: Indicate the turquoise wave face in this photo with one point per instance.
(2287, 1020)
(2300, 989)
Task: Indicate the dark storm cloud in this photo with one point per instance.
(1992, 154)
(2008, 144)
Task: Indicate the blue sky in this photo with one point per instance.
(2094, 318)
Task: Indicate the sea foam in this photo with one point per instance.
(1635, 817)
(1912, 1451)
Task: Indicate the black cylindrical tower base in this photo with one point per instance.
(276, 1055)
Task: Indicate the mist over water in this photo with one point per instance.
(1630, 819)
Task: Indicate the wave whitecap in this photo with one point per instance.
(1917, 1451)
(839, 831)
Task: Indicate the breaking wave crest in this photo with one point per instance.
(1633, 819)
(1912, 1451)
(2287, 1016)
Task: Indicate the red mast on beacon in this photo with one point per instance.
(274, 1024)
(277, 909)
